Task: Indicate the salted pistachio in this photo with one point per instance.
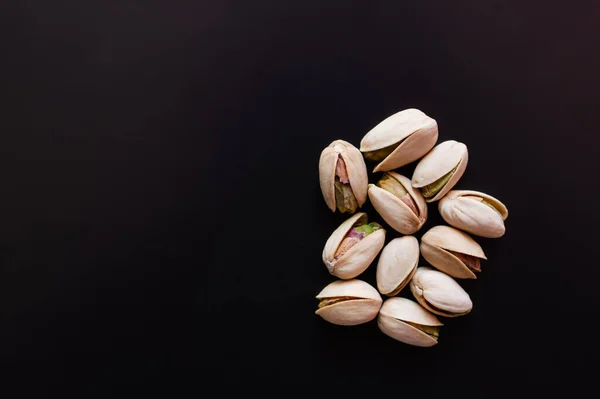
(452, 251)
(474, 212)
(343, 177)
(440, 169)
(397, 264)
(400, 139)
(408, 322)
(440, 293)
(348, 302)
(398, 203)
(353, 246)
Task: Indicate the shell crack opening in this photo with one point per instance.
(344, 196)
(472, 262)
(353, 237)
(338, 299)
(432, 331)
(382, 153)
(430, 190)
(397, 189)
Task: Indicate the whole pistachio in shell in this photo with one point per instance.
(398, 203)
(348, 302)
(474, 212)
(452, 251)
(440, 169)
(343, 177)
(408, 322)
(353, 246)
(400, 139)
(440, 293)
(397, 264)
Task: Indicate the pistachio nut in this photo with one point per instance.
(353, 246)
(440, 169)
(452, 251)
(400, 139)
(348, 302)
(397, 264)
(343, 177)
(408, 322)
(440, 293)
(474, 212)
(398, 203)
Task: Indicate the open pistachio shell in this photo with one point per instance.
(408, 322)
(348, 302)
(440, 293)
(440, 169)
(451, 251)
(397, 264)
(355, 260)
(474, 212)
(341, 163)
(405, 216)
(400, 139)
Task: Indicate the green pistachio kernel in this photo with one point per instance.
(344, 197)
(368, 228)
(430, 190)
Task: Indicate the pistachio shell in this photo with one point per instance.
(362, 309)
(414, 130)
(359, 257)
(394, 315)
(441, 160)
(395, 212)
(397, 264)
(436, 243)
(465, 210)
(440, 293)
(355, 167)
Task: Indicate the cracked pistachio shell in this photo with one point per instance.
(355, 167)
(411, 130)
(395, 212)
(440, 293)
(474, 212)
(394, 315)
(436, 243)
(360, 305)
(440, 161)
(359, 257)
(397, 264)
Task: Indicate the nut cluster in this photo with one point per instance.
(398, 140)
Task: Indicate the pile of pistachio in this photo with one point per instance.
(400, 139)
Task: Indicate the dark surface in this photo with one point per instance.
(162, 225)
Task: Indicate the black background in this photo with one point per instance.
(161, 220)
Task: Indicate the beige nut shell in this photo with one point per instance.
(350, 312)
(438, 162)
(436, 243)
(461, 210)
(359, 257)
(440, 293)
(394, 314)
(417, 131)
(395, 212)
(397, 264)
(355, 167)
